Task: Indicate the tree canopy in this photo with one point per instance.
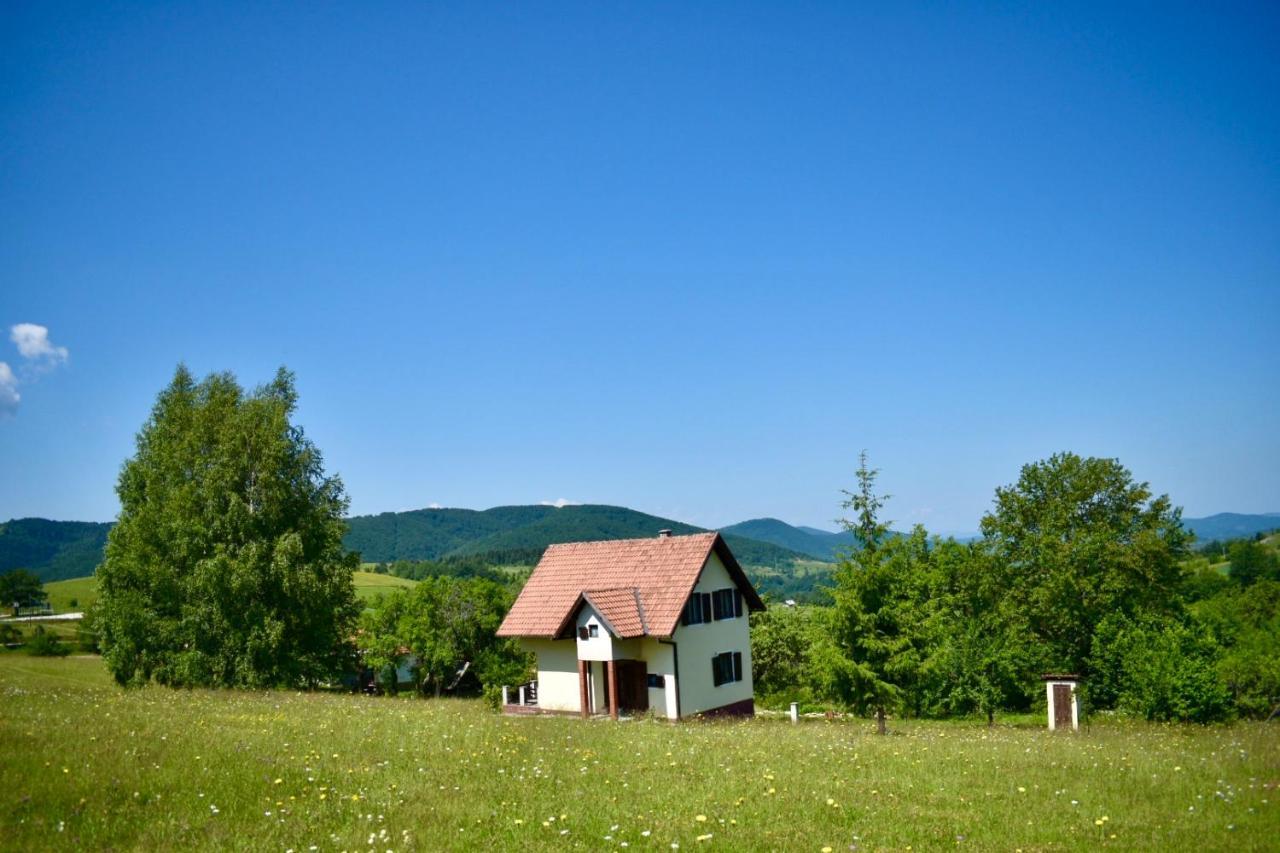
(226, 564)
(1076, 540)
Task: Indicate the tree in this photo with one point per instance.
(442, 623)
(20, 588)
(1076, 540)
(781, 642)
(1252, 561)
(226, 565)
(976, 637)
(875, 650)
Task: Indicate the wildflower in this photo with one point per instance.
(701, 818)
(1021, 790)
(706, 837)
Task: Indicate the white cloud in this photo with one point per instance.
(33, 343)
(560, 503)
(434, 505)
(9, 396)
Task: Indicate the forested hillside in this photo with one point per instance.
(819, 544)
(520, 533)
(54, 550)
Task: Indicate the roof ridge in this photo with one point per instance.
(601, 542)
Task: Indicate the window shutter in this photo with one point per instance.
(715, 671)
(684, 614)
(706, 607)
(737, 602)
(737, 666)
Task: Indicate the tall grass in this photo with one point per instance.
(86, 765)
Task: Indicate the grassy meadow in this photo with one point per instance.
(84, 591)
(87, 765)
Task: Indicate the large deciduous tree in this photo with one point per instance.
(226, 566)
(1076, 540)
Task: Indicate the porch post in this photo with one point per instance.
(583, 696)
(613, 689)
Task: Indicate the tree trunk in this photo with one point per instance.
(880, 727)
(991, 718)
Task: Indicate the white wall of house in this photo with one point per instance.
(700, 643)
(659, 660)
(557, 673)
(599, 647)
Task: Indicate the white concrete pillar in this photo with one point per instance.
(521, 694)
(795, 712)
(506, 699)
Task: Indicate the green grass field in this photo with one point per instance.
(85, 590)
(87, 765)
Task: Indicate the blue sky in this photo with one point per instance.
(689, 258)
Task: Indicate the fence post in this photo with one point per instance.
(795, 712)
(506, 699)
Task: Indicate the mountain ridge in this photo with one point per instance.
(59, 550)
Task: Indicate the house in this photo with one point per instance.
(638, 625)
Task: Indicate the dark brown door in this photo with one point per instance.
(633, 686)
(1062, 706)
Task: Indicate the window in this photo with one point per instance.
(582, 632)
(594, 629)
(726, 668)
(698, 609)
(656, 680)
(728, 603)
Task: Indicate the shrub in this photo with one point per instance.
(46, 644)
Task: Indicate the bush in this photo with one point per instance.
(1164, 672)
(46, 644)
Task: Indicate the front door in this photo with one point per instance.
(633, 686)
(1062, 706)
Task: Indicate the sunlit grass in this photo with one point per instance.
(88, 765)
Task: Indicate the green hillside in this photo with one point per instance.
(500, 532)
(52, 549)
(819, 544)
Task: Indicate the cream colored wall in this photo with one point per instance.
(599, 647)
(700, 643)
(557, 673)
(659, 660)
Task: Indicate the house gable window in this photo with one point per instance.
(712, 606)
(697, 610)
(726, 668)
(727, 603)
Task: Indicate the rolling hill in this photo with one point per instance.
(1231, 525)
(520, 533)
(54, 550)
(815, 543)
(58, 550)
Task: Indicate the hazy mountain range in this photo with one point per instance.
(517, 534)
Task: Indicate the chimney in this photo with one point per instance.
(664, 534)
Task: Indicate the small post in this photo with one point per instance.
(521, 694)
(795, 712)
(506, 698)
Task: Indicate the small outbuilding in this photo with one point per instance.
(1064, 703)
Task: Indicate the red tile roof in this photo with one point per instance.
(619, 608)
(656, 574)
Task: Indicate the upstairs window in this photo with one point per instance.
(593, 630)
(697, 610)
(726, 668)
(727, 603)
